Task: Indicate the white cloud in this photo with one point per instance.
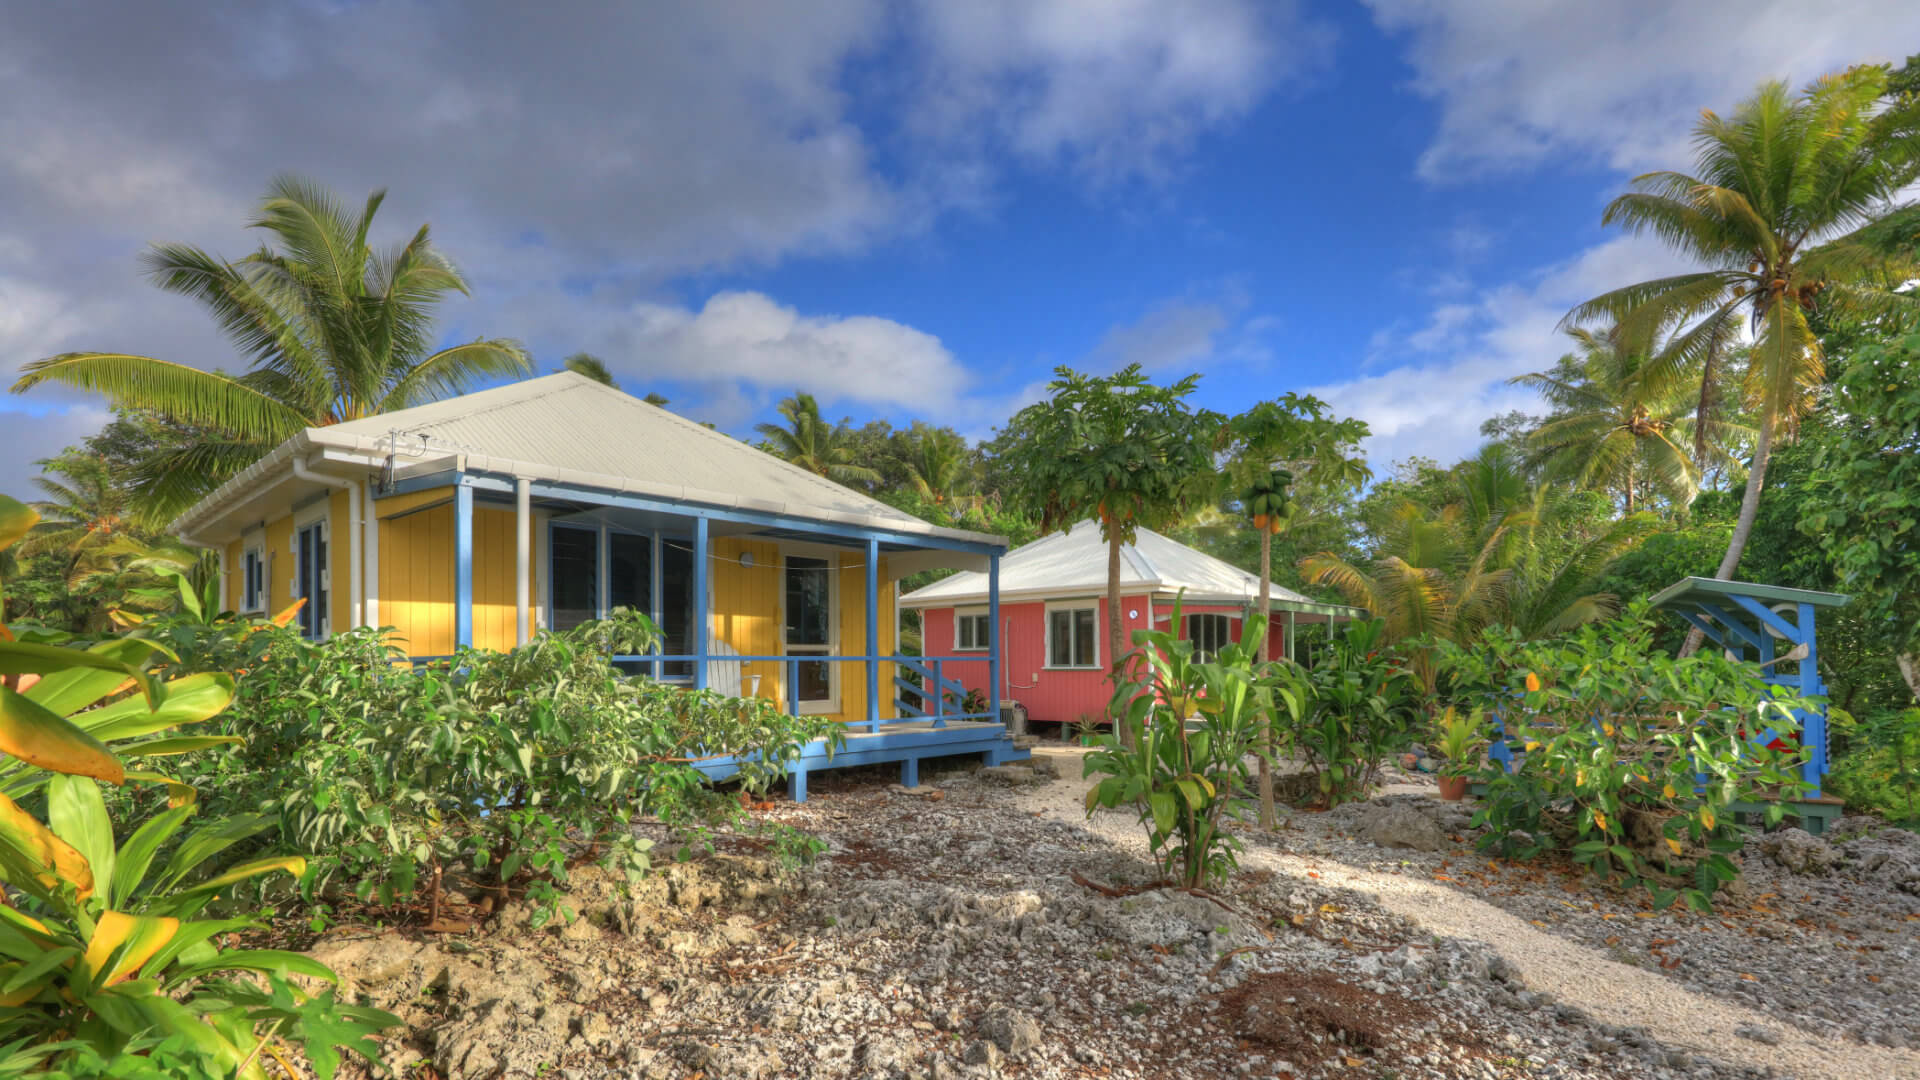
(1112, 87)
(1451, 373)
(1523, 83)
(1179, 334)
(748, 338)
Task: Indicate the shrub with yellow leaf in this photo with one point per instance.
(102, 950)
(1631, 742)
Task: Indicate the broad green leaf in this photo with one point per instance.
(136, 855)
(207, 842)
(292, 864)
(277, 961)
(37, 860)
(188, 700)
(27, 977)
(78, 814)
(179, 744)
(68, 692)
(25, 658)
(45, 739)
(1165, 813)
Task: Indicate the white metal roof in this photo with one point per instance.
(568, 428)
(1074, 563)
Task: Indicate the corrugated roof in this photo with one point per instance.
(1074, 563)
(570, 427)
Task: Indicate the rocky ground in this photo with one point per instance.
(980, 927)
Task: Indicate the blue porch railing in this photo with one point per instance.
(948, 705)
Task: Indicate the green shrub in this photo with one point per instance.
(1880, 771)
(1183, 782)
(509, 764)
(1357, 705)
(1626, 758)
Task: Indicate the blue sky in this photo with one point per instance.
(912, 209)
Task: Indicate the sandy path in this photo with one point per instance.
(1609, 991)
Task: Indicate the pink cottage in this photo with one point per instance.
(1053, 615)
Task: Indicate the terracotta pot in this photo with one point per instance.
(1453, 788)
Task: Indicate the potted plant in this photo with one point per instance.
(1458, 737)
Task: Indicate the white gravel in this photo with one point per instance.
(1609, 991)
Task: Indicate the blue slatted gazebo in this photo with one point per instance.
(1776, 627)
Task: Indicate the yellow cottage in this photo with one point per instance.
(481, 520)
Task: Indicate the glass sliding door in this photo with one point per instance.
(630, 582)
(809, 630)
(676, 604)
(573, 575)
(310, 577)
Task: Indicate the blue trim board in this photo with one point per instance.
(908, 747)
(463, 565)
(873, 633)
(762, 519)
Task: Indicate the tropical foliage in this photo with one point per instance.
(1775, 212)
(503, 765)
(330, 328)
(1356, 704)
(1482, 548)
(1117, 449)
(1186, 781)
(812, 443)
(103, 944)
(1624, 757)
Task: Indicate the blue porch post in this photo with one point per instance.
(873, 635)
(993, 637)
(463, 563)
(699, 628)
(1814, 723)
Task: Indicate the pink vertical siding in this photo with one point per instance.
(1055, 696)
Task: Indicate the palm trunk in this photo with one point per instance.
(1743, 527)
(1268, 819)
(1629, 488)
(1115, 636)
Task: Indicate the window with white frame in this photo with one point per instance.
(971, 630)
(1209, 633)
(253, 577)
(1072, 638)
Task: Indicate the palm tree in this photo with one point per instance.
(1612, 420)
(938, 463)
(330, 329)
(812, 443)
(1498, 552)
(85, 511)
(584, 363)
(1774, 211)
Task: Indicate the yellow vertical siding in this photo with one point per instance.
(745, 612)
(417, 580)
(495, 610)
(230, 590)
(340, 548)
(280, 568)
(853, 636)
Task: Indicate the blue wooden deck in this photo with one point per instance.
(904, 741)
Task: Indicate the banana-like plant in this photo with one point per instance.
(97, 946)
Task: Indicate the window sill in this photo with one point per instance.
(978, 648)
(1073, 667)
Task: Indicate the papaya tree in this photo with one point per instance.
(1118, 449)
(1267, 444)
